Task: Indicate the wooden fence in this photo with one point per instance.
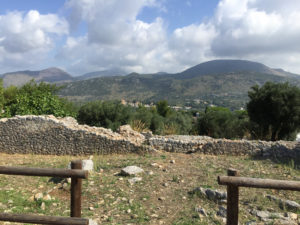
(75, 173)
(233, 182)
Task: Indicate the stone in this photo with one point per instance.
(88, 164)
(293, 216)
(43, 206)
(222, 212)
(263, 215)
(201, 211)
(47, 197)
(38, 196)
(92, 222)
(2, 206)
(131, 171)
(291, 205)
(134, 180)
(91, 208)
(154, 216)
(162, 198)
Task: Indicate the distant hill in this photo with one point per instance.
(51, 75)
(103, 73)
(218, 82)
(232, 66)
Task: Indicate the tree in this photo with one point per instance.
(274, 110)
(35, 99)
(1, 96)
(219, 122)
(108, 114)
(163, 108)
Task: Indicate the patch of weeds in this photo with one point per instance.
(175, 179)
(163, 156)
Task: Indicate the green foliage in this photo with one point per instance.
(219, 122)
(109, 114)
(163, 108)
(35, 99)
(1, 96)
(274, 110)
(112, 114)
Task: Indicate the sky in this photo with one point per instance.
(146, 36)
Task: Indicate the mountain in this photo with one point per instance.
(231, 66)
(219, 82)
(51, 75)
(103, 73)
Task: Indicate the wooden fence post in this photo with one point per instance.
(76, 184)
(232, 200)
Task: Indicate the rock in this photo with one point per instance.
(47, 197)
(154, 216)
(131, 171)
(127, 132)
(222, 212)
(161, 198)
(211, 195)
(134, 180)
(252, 222)
(291, 204)
(128, 211)
(87, 164)
(91, 208)
(43, 206)
(150, 172)
(2, 206)
(38, 196)
(172, 161)
(292, 216)
(201, 211)
(263, 215)
(92, 222)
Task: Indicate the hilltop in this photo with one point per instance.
(52, 75)
(218, 82)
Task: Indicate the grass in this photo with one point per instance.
(162, 197)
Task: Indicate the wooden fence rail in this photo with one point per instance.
(75, 173)
(233, 182)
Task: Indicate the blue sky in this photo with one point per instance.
(145, 36)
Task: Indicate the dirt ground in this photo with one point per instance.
(163, 196)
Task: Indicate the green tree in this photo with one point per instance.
(163, 108)
(219, 122)
(274, 110)
(1, 96)
(35, 99)
(108, 114)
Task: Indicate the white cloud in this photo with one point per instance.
(26, 38)
(262, 30)
(252, 28)
(115, 37)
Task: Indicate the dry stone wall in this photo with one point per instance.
(49, 135)
(207, 145)
(64, 136)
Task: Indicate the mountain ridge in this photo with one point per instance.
(202, 87)
(217, 82)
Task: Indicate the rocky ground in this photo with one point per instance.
(169, 188)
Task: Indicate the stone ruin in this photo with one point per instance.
(64, 136)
